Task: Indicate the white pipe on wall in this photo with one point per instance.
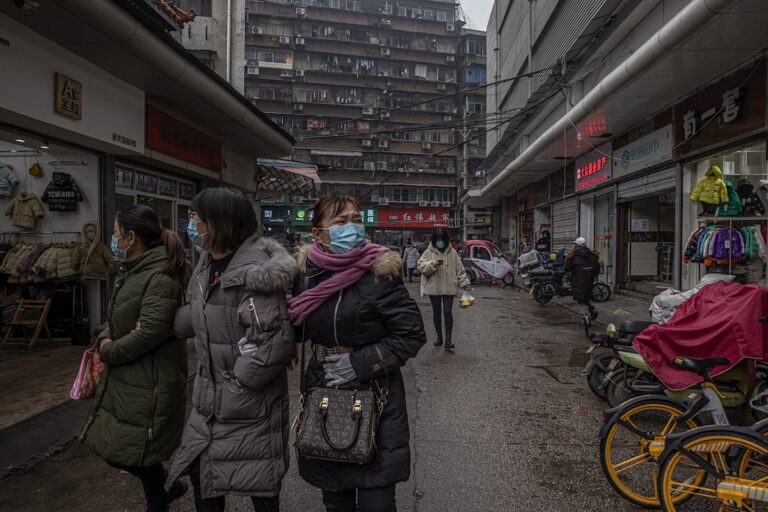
(671, 36)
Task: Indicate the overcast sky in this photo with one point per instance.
(477, 12)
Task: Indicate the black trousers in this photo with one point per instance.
(410, 273)
(153, 480)
(379, 499)
(442, 306)
(217, 504)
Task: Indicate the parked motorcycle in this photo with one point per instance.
(547, 284)
(621, 373)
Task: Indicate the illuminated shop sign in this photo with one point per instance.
(594, 168)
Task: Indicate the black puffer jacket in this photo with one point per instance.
(583, 266)
(378, 317)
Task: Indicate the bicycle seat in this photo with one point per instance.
(699, 365)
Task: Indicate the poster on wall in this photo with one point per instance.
(146, 183)
(168, 187)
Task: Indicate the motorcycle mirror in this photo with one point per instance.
(610, 330)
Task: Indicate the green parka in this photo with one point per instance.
(138, 416)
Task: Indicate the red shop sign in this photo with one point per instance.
(170, 136)
(426, 218)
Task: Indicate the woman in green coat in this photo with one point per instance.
(138, 415)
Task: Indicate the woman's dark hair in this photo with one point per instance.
(440, 234)
(332, 205)
(230, 217)
(145, 224)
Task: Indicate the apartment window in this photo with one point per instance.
(475, 47)
(420, 71)
(475, 107)
(429, 14)
(334, 4)
(442, 16)
(201, 7)
(401, 11)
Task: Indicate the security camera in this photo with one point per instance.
(26, 5)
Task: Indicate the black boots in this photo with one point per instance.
(438, 342)
(449, 346)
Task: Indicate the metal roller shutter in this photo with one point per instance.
(565, 222)
(648, 185)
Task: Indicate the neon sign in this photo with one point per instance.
(594, 168)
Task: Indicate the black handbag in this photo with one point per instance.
(338, 425)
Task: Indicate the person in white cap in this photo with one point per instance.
(584, 265)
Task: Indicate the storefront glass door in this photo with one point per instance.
(604, 209)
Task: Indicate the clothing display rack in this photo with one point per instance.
(705, 221)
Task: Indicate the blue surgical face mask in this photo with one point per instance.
(119, 254)
(195, 237)
(346, 237)
(440, 245)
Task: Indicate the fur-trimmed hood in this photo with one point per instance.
(389, 265)
(262, 265)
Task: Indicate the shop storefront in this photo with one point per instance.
(719, 237)
(394, 226)
(597, 207)
(647, 212)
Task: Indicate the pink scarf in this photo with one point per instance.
(346, 268)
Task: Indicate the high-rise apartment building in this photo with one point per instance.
(373, 92)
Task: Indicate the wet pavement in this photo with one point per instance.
(504, 424)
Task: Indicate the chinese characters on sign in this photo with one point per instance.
(123, 177)
(731, 107)
(413, 218)
(125, 141)
(594, 168)
(146, 183)
(645, 152)
(167, 187)
(186, 190)
(170, 136)
(68, 97)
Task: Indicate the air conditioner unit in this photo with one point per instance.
(284, 40)
(441, 87)
(369, 166)
(381, 166)
(367, 111)
(386, 114)
(434, 204)
(301, 12)
(383, 201)
(298, 72)
(450, 58)
(374, 40)
(256, 30)
(386, 51)
(386, 22)
(446, 204)
(366, 143)
(426, 146)
(423, 204)
(252, 71)
(298, 107)
(450, 27)
(299, 41)
(286, 73)
(447, 118)
(383, 144)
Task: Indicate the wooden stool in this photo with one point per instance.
(29, 314)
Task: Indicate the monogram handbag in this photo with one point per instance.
(338, 425)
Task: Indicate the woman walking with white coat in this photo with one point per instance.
(442, 275)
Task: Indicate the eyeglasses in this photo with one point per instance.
(192, 214)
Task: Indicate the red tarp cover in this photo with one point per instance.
(721, 320)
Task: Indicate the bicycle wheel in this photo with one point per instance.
(633, 440)
(698, 472)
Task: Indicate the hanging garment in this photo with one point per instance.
(711, 189)
(750, 201)
(733, 207)
(25, 210)
(8, 180)
(62, 194)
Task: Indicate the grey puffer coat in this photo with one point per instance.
(238, 424)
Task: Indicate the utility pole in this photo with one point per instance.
(464, 168)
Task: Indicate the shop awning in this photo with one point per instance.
(287, 177)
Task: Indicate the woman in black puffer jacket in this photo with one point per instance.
(583, 265)
(374, 327)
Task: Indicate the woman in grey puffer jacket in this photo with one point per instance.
(236, 438)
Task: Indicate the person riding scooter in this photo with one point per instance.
(583, 265)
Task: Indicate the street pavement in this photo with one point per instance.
(504, 424)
